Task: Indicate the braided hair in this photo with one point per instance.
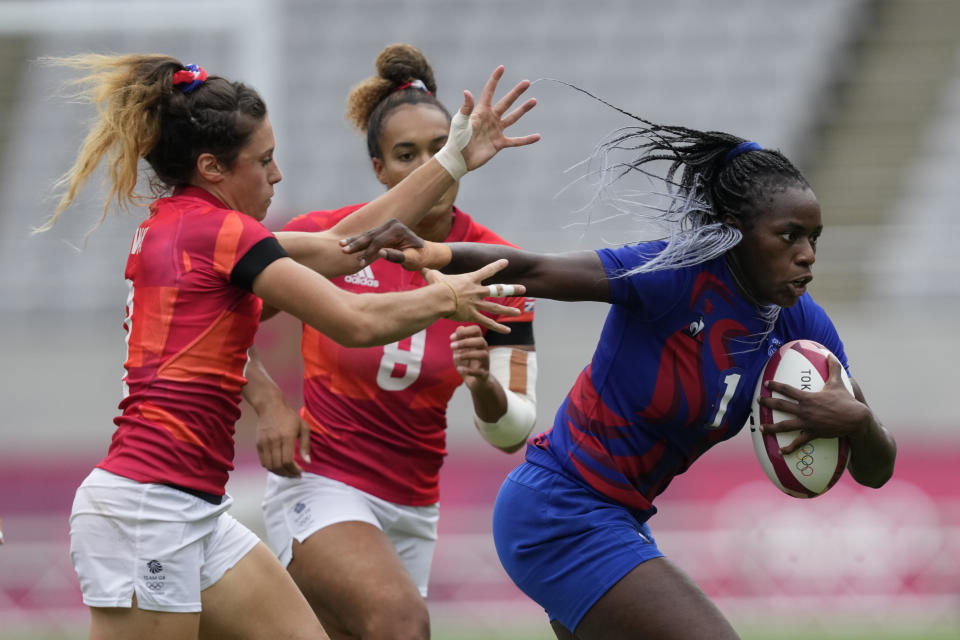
(143, 113)
(712, 178)
(404, 76)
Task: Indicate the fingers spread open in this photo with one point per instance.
(499, 309)
(491, 324)
(506, 101)
(518, 113)
(490, 88)
(467, 107)
(489, 270)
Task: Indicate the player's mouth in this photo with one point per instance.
(799, 286)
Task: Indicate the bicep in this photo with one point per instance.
(319, 251)
(573, 276)
(288, 286)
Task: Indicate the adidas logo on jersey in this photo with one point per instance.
(364, 278)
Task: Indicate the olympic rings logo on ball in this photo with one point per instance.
(804, 456)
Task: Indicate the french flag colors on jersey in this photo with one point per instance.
(188, 329)
(672, 375)
(377, 415)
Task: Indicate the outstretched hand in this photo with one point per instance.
(829, 413)
(470, 295)
(478, 129)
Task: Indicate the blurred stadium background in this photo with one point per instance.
(863, 94)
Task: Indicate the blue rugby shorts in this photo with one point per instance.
(562, 544)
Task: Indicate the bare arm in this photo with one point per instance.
(873, 449)
(476, 135)
(570, 276)
(368, 319)
(279, 427)
(501, 380)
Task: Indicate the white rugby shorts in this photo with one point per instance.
(296, 508)
(161, 543)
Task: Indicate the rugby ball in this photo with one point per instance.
(815, 467)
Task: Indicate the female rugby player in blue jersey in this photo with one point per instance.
(693, 319)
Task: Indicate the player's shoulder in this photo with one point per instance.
(807, 319)
(321, 219)
(204, 219)
(804, 311)
(633, 252)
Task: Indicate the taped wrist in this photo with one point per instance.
(515, 425)
(450, 156)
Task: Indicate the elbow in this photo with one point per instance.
(359, 332)
(875, 481)
(876, 476)
(357, 337)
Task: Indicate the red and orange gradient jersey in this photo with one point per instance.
(378, 415)
(189, 324)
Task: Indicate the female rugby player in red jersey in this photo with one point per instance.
(693, 319)
(357, 528)
(156, 553)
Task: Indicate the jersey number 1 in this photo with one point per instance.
(730, 383)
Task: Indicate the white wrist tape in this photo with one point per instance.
(450, 156)
(515, 425)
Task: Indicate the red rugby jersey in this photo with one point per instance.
(378, 415)
(188, 331)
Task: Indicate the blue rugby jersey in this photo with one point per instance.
(672, 375)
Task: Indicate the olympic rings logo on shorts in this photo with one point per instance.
(805, 460)
(155, 586)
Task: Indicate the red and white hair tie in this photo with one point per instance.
(189, 78)
(414, 84)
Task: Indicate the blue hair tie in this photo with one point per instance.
(743, 147)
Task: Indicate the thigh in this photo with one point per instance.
(413, 533)
(296, 508)
(562, 544)
(561, 631)
(256, 599)
(122, 623)
(656, 601)
(355, 580)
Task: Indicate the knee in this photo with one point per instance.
(401, 619)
